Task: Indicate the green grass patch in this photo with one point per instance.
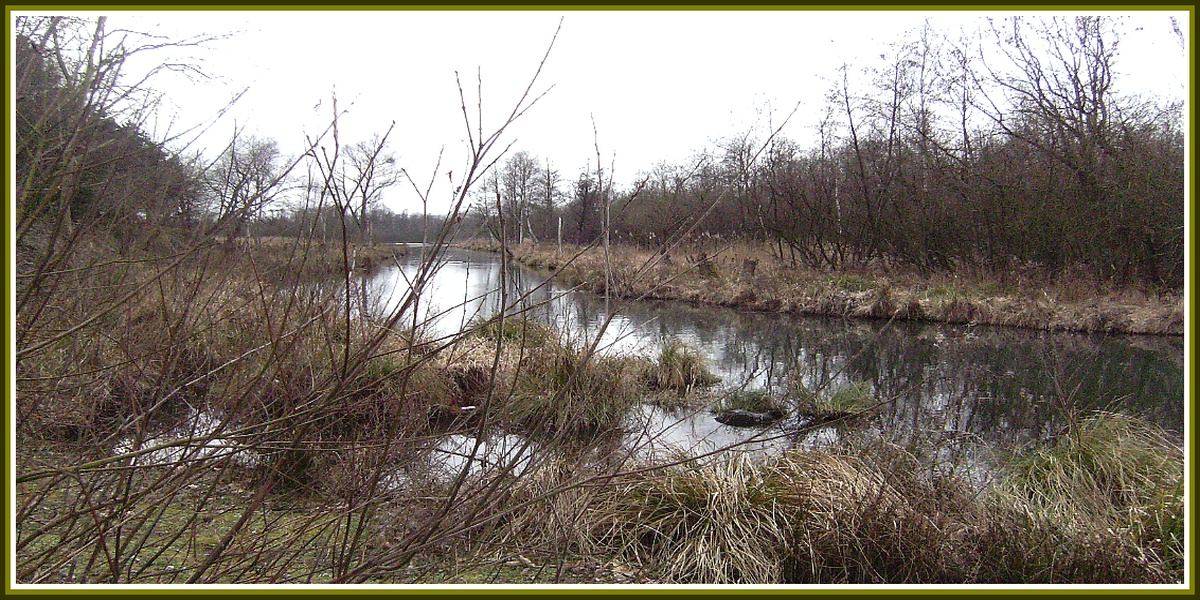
(849, 399)
(847, 282)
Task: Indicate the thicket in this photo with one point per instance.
(1010, 151)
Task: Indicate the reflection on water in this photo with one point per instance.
(197, 439)
(465, 286)
(955, 384)
(499, 453)
(657, 434)
(956, 390)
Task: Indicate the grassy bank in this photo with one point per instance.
(863, 512)
(747, 276)
(872, 512)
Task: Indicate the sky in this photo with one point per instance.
(640, 87)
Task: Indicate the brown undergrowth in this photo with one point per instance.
(749, 276)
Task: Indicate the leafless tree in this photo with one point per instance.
(371, 169)
(246, 177)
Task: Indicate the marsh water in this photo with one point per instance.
(956, 392)
(963, 388)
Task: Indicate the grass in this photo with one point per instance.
(515, 330)
(873, 513)
(551, 386)
(716, 523)
(563, 389)
(804, 517)
(876, 291)
(679, 368)
(850, 282)
(847, 400)
(1113, 477)
(169, 530)
(1100, 504)
(1103, 503)
(756, 401)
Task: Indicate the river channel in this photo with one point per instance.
(963, 387)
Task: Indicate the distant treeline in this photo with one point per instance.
(1022, 156)
(1013, 151)
(386, 227)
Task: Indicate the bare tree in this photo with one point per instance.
(518, 179)
(246, 177)
(369, 170)
(1053, 91)
(547, 202)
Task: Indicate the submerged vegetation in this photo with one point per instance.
(197, 404)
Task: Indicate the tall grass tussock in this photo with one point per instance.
(871, 512)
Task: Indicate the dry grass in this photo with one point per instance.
(805, 517)
(311, 493)
(698, 523)
(1078, 510)
(721, 275)
(1102, 503)
(678, 368)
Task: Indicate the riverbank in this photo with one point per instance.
(748, 277)
(1101, 505)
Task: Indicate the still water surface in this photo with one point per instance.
(956, 392)
(964, 387)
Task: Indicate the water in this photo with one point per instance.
(959, 390)
(956, 385)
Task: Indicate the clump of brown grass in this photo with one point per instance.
(560, 388)
(806, 516)
(679, 368)
(715, 522)
(1103, 502)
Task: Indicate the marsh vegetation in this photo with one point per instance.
(208, 395)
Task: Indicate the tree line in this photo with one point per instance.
(1011, 151)
(1016, 152)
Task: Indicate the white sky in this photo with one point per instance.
(659, 85)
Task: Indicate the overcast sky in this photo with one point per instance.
(658, 86)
